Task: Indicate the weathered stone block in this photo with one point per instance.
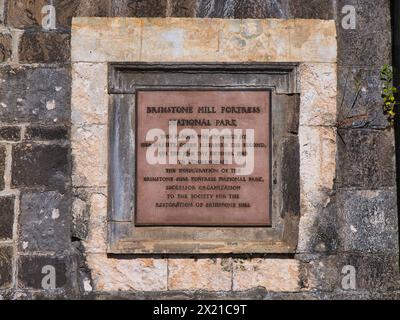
(182, 8)
(313, 41)
(35, 95)
(318, 94)
(89, 96)
(318, 229)
(368, 221)
(202, 274)
(6, 255)
(141, 8)
(311, 9)
(215, 9)
(5, 47)
(89, 156)
(180, 40)
(317, 174)
(366, 159)
(221, 40)
(175, 41)
(110, 274)
(353, 42)
(44, 222)
(260, 9)
(44, 47)
(25, 14)
(67, 9)
(46, 133)
(317, 155)
(374, 273)
(255, 40)
(319, 272)
(359, 98)
(28, 14)
(6, 217)
(2, 166)
(374, 13)
(40, 166)
(97, 227)
(368, 14)
(32, 271)
(96, 40)
(269, 274)
(9, 133)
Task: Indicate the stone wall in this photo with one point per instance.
(357, 226)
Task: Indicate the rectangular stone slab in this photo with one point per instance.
(216, 195)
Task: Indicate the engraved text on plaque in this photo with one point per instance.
(203, 157)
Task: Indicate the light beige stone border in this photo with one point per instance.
(205, 40)
(97, 41)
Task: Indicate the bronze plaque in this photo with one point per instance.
(203, 158)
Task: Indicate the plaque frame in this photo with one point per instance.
(281, 80)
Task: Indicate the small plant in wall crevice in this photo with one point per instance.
(389, 93)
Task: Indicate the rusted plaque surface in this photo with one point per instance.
(203, 158)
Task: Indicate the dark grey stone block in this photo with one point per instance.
(35, 95)
(242, 9)
(10, 133)
(33, 269)
(6, 255)
(6, 217)
(370, 15)
(40, 166)
(312, 9)
(139, 8)
(67, 9)
(359, 98)
(216, 8)
(183, 8)
(365, 159)
(324, 230)
(43, 133)
(372, 49)
(374, 273)
(261, 9)
(44, 47)
(369, 44)
(44, 222)
(24, 14)
(368, 221)
(291, 176)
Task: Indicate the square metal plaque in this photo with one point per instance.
(203, 158)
